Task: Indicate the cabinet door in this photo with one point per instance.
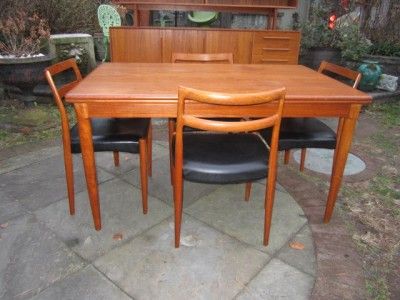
(236, 42)
(135, 45)
(276, 47)
(181, 41)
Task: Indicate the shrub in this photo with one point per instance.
(352, 43)
(385, 48)
(22, 35)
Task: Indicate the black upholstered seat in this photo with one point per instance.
(113, 135)
(303, 133)
(224, 158)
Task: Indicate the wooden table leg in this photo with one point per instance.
(85, 136)
(341, 153)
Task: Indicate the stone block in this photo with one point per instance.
(77, 45)
(388, 83)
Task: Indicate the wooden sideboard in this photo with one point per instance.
(154, 45)
(141, 8)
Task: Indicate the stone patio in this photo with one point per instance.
(48, 254)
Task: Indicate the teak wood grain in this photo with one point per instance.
(151, 90)
(129, 44)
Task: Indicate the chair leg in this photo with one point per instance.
(269, 203)
(116, 158)
(171, 129)
(247, 191)
(150, 151)
(178, 199)
(143, 172)
(69, 174)
(303, 159)
(287, 157)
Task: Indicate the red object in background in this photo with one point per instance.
(345, 3)
(332, 21)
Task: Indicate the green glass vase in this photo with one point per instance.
(371, 72)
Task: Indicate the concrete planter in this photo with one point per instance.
(24, 73)
(390, 64)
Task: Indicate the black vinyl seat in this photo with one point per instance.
(303, 133)
(224, 158)
(113, 135)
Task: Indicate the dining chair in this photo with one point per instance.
(224, 152)
(226, 58)
(202, 57)
(116, 135)
(303, 133)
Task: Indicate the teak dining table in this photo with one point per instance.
(150, 90)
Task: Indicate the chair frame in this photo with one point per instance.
(326, 66)
(202, 57)
(225, 101)
(145, 144)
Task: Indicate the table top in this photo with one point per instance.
(158, 81)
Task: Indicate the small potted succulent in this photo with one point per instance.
(22, 62)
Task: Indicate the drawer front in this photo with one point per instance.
(279, 47)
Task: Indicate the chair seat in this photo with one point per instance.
(303, 133)
(224, 158)
(113, 135)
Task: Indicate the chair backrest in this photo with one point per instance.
(108, 17)
(202, 57)
(224, 102)
(59, 93)
(342, 71)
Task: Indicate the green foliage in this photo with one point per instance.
(352, 43)
(385, 48)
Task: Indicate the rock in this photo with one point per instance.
(387, 83)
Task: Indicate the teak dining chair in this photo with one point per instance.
(125, 135)
(224, 152)
(226, 58)
(303, 133)
(202, 57)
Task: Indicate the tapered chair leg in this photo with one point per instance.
(116, 158)
(303, 159)
(247, 191)
(287, 157)
(143, 172)
(150, 151)
(69, 174)
(178, 199)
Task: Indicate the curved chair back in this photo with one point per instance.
(202, 58)
(108, 17)
(59, 92)
(342, 71)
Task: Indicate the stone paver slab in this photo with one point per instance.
(160, 184)
(226, 210)
(32, 258)
(9, 208)
(87, 284)
(42, 183)
(211, 266)
(121, 212)
(279, 281)
(302, 259)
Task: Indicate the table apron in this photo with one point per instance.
(168, 109)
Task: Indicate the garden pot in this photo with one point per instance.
(315, 56)
(24, 73)
(371, 71)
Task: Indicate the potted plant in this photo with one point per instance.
(22, 38)
(319, 41)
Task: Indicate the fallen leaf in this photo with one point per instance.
(117, 237)
(25, 130)
(4, 225)
(296, 245)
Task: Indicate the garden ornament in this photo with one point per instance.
(108, 17)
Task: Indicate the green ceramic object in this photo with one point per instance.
(108, 17)
(203, 17)
(371, 71)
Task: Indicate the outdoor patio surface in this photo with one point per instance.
(47, 254)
